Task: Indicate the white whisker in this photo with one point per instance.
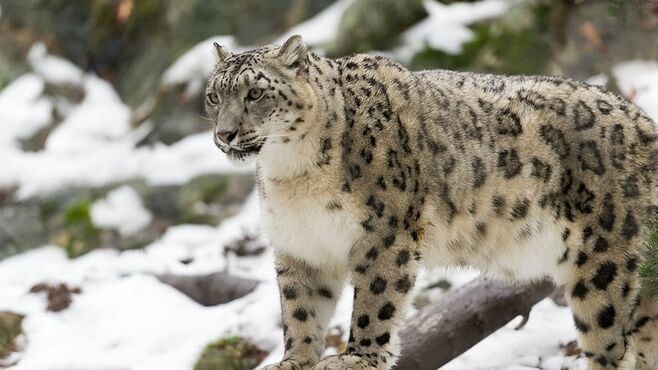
(205, 118)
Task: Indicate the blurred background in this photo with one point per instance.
(126, 239)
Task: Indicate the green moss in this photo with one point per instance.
(232, 353)
(10, 328)
(79, 235)
(649, 270)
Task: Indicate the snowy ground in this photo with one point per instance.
(124, 318)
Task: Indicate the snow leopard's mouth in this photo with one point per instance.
(244, 152)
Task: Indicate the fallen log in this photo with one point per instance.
(462, 318)
(211, 289)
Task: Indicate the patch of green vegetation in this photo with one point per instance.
(79, 235)
(649, 270)
(231, 353)
(10, 328)
(500, 46)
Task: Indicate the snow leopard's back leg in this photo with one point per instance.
(611, 180)
(602, 291)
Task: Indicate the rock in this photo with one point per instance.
(232, 353)
(174, 116)
(206, 199)
(21, 228)
(517, 43)
(12, 58)
(599, 34)
(211, 289)
(27, 21)
(63, 217)
(211, 198)
(10, 328)
(374, 25)
(131, 43)
(260, 21)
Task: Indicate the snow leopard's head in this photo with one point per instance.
(257, 97)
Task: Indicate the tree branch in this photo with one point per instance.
(442, 331)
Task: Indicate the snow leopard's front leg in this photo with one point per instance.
(384, 270)
(308, 300)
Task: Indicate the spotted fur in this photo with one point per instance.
(368, 171)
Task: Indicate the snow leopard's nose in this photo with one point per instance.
(226, 136)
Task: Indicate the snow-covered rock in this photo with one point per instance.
(446, 26)
(23, 109)
(121, 209)
(320, 29)
(55, 70)
(193, 67)
(638, 81)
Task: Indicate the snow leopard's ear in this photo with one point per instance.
(221, 52)
(294, 53)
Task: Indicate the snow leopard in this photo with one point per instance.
(368, 172)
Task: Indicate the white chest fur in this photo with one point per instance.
(308, 221)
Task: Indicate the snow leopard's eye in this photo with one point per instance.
(212, 98)
(255, 94)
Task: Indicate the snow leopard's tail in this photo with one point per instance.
(645, 328)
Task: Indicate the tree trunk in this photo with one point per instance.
(440, 332)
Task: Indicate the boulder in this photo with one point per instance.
(374, 25)
(64, 217)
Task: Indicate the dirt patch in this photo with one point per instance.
(247, 245)
(59, 296)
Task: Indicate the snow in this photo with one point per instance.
(535, 346)
(638, 81)
(53, 69)
(95, 144)
(126, 318)
(193, 67)
(600, 79)
(320, 29)
(100, 118)
(23, 110)
(112, 162)
(446, 26)
(121, 209)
